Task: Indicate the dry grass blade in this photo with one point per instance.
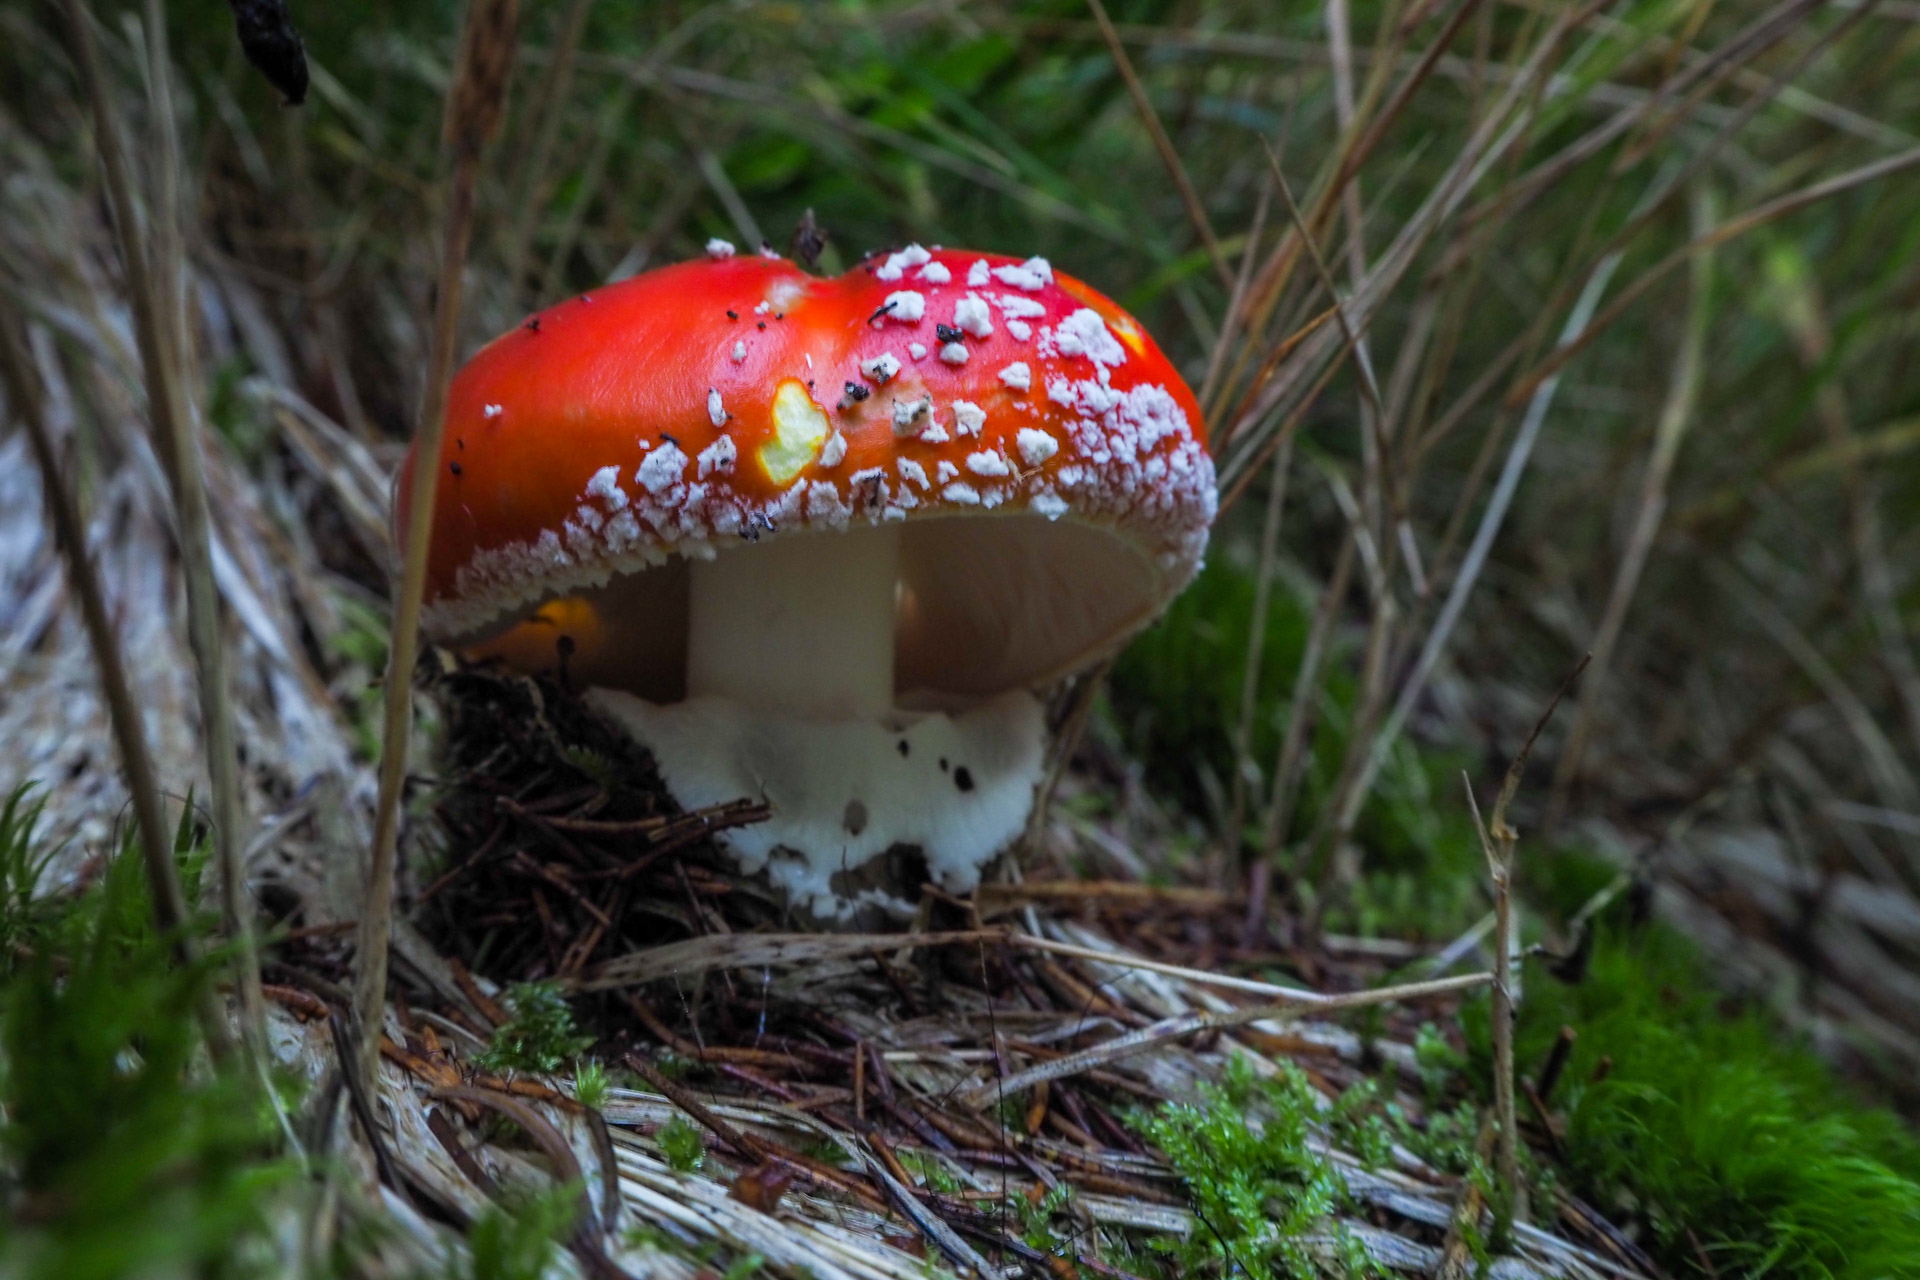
(169, 904)
(1731, 229)
(1675, 415)
(760, 950)
(1491, 520)
(474, 104)
(747, 951)
(154, 289)
(1244, 447)
(530, 199)
(1289, 766)
(1231, 319)
(1196, 212)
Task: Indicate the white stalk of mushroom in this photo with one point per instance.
(790, 698)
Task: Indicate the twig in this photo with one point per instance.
(1166, 1029)
(1499, 870)
(1498, 846)
(348, 1065)
(474, 103)
(1557, 1054)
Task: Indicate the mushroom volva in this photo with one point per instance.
(817, 541)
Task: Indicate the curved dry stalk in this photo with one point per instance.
(1245, 774)
(1498, 844)
(474, 103)
(1290, 766)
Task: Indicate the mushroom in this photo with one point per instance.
(797, 561)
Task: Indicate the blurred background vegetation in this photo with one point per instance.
(1712, 489)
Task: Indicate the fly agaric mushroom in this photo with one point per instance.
(817, 540)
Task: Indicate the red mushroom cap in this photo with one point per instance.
(689, 409)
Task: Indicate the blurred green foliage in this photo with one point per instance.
(124, 1155)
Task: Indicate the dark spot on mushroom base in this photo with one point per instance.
(855, 818)
(963, 778)
(906, 749)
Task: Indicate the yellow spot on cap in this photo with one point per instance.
(800, 428)
(1129, 333)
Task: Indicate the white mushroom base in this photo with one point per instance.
(956, 787)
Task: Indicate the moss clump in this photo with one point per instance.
(590, 1085)
(539, 1036)
(1716, 1127)
(681, 1144)
(1251, 1178)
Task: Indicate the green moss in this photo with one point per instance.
(681, 1144)
(539, 1036)
(1250, 1176)
(930, 1170)
(1361, 1121)
(1719, 1126)
(590, 1086)
(1037, 1218)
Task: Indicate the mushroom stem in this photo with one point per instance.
(801, 625)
